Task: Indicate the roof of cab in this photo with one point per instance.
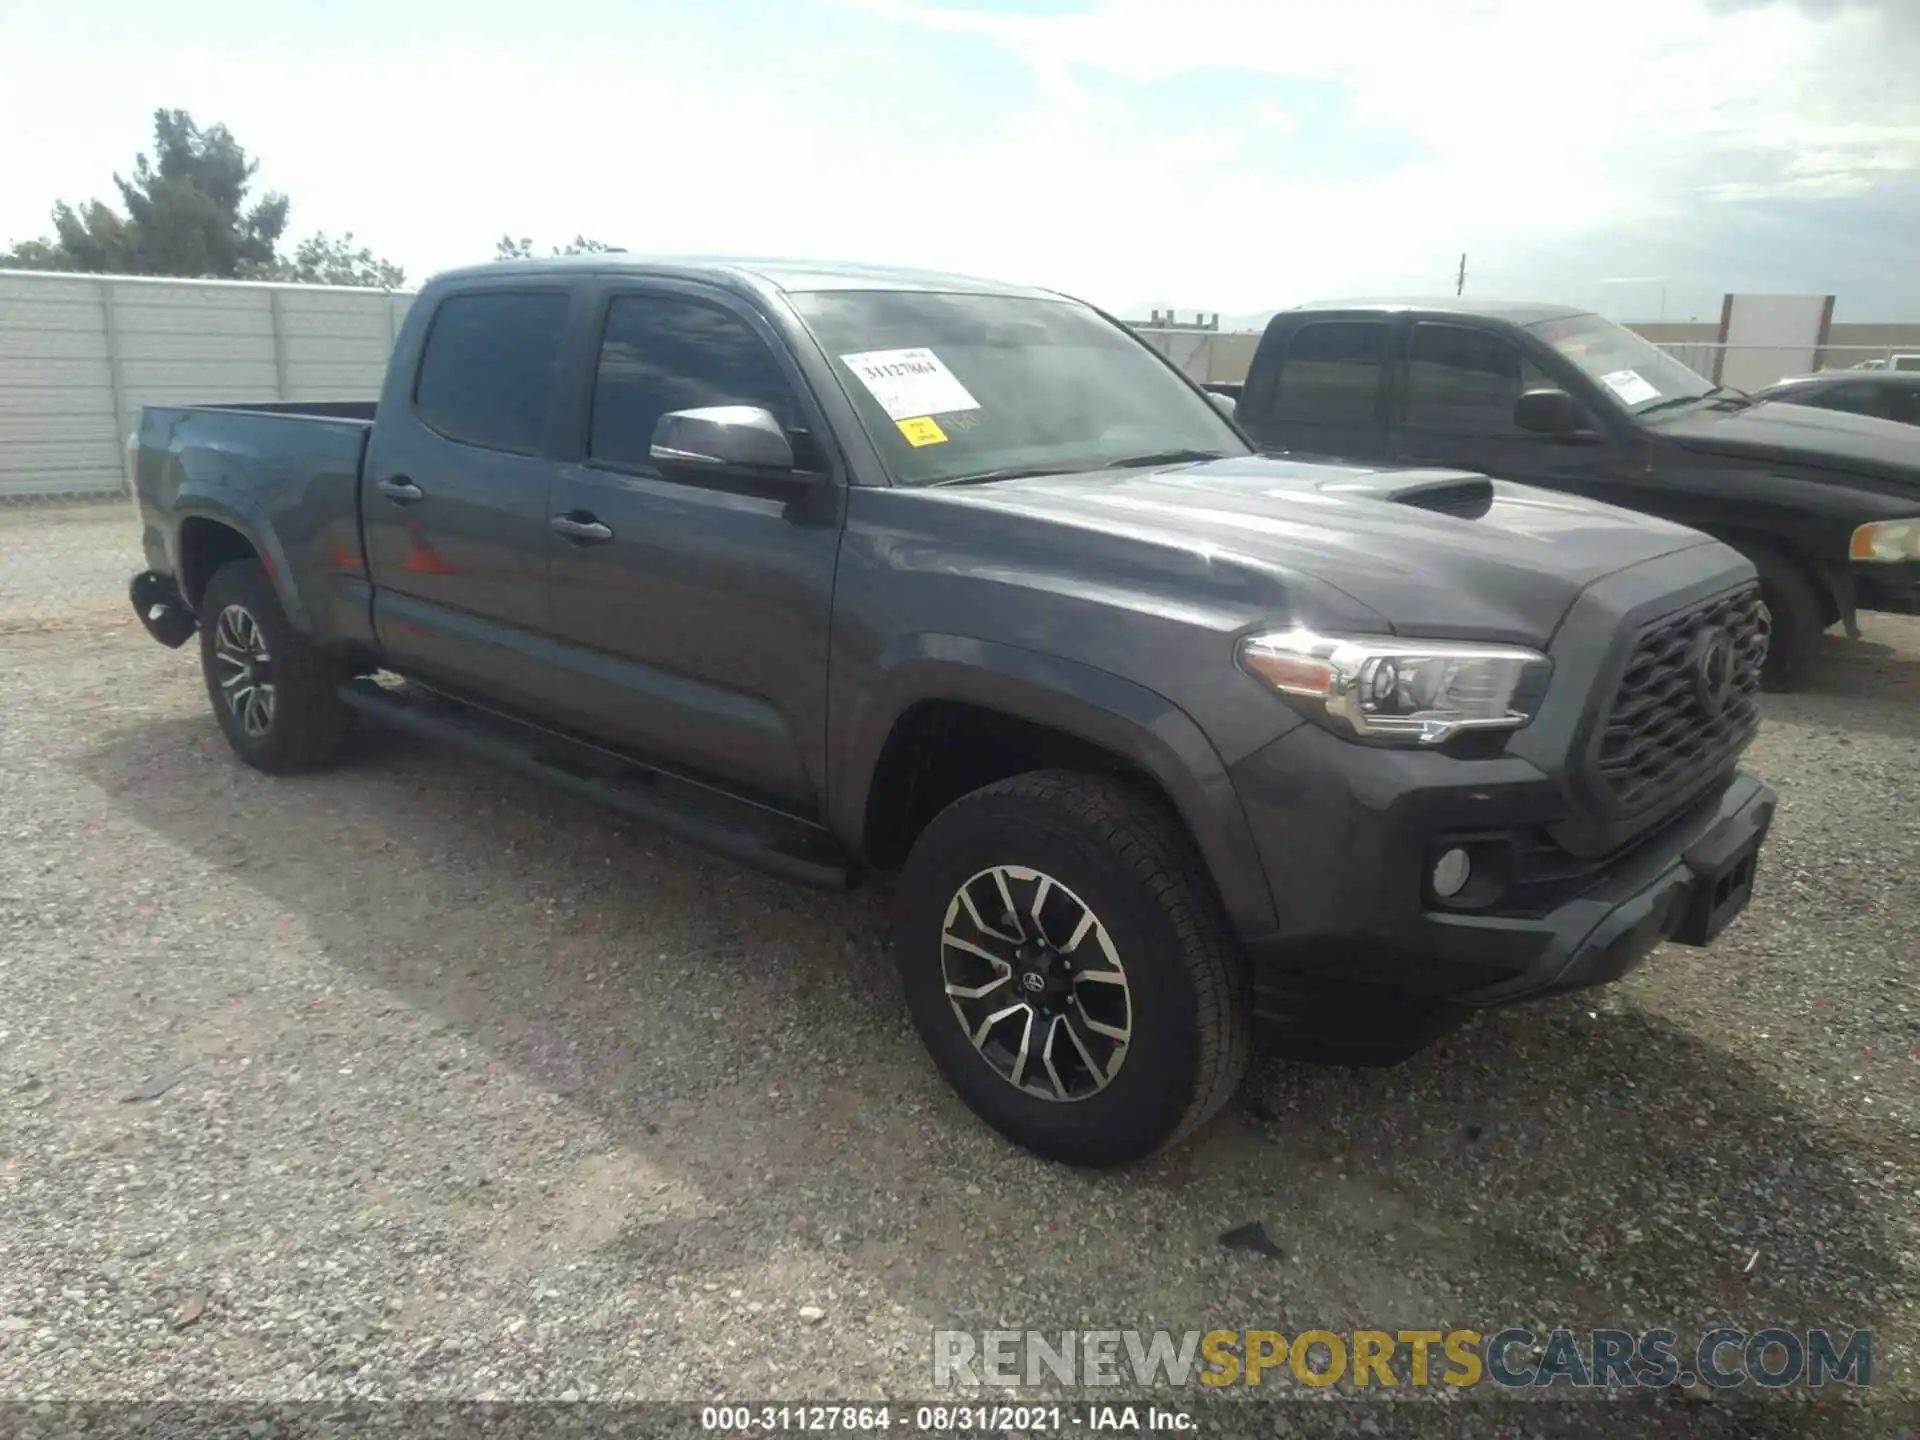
(788, 276)
(1516, 312)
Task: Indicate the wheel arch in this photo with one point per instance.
(1836, 601)
(1076, 715)
(214, 530)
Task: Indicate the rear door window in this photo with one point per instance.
(1331, 373)
(488, 369)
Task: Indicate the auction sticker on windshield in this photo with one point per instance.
(910, 383)
(923, 430)
(1630, 386)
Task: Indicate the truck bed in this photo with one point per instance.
(286, 475)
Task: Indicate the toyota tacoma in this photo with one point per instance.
(1174, 751)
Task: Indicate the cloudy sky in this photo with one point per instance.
(1237, 155)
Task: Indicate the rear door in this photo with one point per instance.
(455, 509)
(693, 625)
(1324, 392)
(1455, 404)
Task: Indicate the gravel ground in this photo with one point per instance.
(413, 1079)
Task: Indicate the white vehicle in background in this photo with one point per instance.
(1891, 362)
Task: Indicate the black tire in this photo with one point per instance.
(1799, 618)
(1121, 854)
(305, 722)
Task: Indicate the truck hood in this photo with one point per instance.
(1441, 554)
(1801, 435)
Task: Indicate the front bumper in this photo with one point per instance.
(1891, 588)
(1348, 835)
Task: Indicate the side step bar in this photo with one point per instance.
(763, 839)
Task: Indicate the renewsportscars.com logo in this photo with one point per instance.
(1771, 1357)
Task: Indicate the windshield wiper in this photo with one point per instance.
(1722, 393)
(1125, 462)
(1010, 472)
(1163, 457)
(1672, 400)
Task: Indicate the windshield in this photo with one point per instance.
(1630, 369)
(953, 387)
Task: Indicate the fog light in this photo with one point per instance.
(1451, 872)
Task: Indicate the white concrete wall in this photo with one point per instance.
(80, 354)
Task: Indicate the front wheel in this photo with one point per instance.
(1796, 619)
(1070, 969)
(273, 692)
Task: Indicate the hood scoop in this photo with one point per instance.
(1445, 492)
(1442, 492)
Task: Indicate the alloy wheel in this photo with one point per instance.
(1036, 983)
(244, 669)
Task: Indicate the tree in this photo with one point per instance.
(36, 255)
(508, 248)
(322, 260)
(187, 213)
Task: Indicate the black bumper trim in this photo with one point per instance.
(1688, 899)
(156, 600)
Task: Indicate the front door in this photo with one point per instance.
(1458, 388)
(693, 611)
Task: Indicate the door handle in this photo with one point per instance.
(581, 528)
(399, 489)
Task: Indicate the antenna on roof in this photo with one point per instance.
(1460, 280)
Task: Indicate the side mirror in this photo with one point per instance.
(1550, 412)
(1225, 404)
(721, 437)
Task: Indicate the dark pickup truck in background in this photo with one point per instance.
(1825, 504)
(840, 571)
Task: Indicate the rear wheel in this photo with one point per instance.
(273, 692)
(1069, 967)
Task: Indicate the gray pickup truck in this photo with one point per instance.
(1174, 749)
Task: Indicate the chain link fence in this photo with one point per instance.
(64, 561)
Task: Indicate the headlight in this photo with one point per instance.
(1422, 692)
(1887, 540)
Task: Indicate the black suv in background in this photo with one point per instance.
(1883, 394)
(1825, 504)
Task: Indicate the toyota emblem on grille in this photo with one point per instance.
(1713, 671)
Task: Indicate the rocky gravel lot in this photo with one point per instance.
(413, 1079)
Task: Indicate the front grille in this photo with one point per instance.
(1668, 727)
